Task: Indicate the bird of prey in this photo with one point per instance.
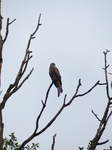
(56, 77)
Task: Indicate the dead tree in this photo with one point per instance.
(108, 111)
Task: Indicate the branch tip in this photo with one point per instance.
(103, 142)
(80, 82)
(11, 21)
(64, 99)
(52, 147)
(44, 105)
(95, 115)
(29, 51)
(33, 37)
(107, 66)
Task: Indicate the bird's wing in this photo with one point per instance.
(57, 73)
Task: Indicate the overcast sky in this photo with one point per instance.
(73, 35)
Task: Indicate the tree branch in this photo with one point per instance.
(7, 29)
(43, 107)
(103, 142)
(52, 147)
(95, 115)
(80, 95)
(57, 114)
(106, 78)
(105, 117)
(37, 121)
(16, 85)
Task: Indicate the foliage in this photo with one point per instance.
(12, 144)
(89, 145)
(110, 148)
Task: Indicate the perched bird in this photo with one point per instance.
(56, 77)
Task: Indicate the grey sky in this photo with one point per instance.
(74, 34)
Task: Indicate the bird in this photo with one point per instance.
(56, 77)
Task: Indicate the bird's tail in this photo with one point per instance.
(60, 90)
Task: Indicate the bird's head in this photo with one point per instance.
(52, 65)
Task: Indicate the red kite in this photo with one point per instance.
(56, 77)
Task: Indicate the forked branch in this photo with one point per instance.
(18, 83)
(105, 118)
(7, 29)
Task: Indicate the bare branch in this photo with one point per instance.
(79, 95)
(64, 99)
(60, 110)
(109, 116)
(57, 114)
(25, 79)
(101, 83)
(16, 85)
(50, 122)
(97, 83)
(36, 132)
(37, 121)
(110, 103)
(43, 107)
(103, 142)
(12, 21)
(105, 53)
(105, 117)
(31, 36)
(95, 115)
(106, 78)
(7, 29)
(39, 24)
(1, 40)
(52, 147)
(79, 84)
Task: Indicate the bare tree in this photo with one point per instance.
(19, 82)
(108, 112)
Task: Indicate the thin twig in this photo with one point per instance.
(101, 143)
(52, 147)
(95, 115)
(109, 115)
(80, 95)
(106, 78)
(7, 29)
(25, 78)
